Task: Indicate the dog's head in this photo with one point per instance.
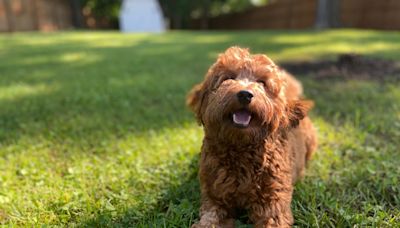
(245, 97)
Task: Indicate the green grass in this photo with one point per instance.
(94, 130)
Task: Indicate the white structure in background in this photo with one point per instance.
(141, 16)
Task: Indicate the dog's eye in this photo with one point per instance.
(230, 76)
(226, 78)
(262, 82)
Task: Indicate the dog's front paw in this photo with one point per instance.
(198, 225)
(227, 223)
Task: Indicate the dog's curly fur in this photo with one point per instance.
(253, 165)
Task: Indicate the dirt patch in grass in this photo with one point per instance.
(347, 66)
(3, 217)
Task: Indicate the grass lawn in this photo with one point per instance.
(94, 130)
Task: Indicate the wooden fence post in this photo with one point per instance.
(9, 15)
(35, 14)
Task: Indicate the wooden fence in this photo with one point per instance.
(283, 14)
(371, 14)
(45, 15)
(300, 14)
(27, 15)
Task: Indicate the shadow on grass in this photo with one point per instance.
(131, 92)
(352, 179)
(105, 91)
(80, 92)
(175, 206)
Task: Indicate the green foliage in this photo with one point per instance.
(94, 131)
(106, 9)
(181, 12)
(229, 6)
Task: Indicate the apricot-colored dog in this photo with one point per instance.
(257, 140)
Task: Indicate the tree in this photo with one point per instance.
(77, 14)
(181, 12)
(327, 14)
(103, 9)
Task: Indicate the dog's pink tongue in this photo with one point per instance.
(242, 118)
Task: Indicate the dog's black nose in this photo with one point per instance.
(244, 96)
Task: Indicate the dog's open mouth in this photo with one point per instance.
(241, 118)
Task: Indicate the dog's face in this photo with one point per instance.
(243, 97)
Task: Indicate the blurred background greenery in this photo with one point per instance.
(180, 12)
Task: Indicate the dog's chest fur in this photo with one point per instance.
(238, 175)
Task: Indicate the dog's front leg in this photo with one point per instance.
(272, 209)
(213, 216)
(276, 213)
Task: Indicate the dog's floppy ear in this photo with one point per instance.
(195, 100)
(297, 110)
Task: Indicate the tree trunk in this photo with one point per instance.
(206, 14)
(77, 13)
(334, 13)
(328, 15)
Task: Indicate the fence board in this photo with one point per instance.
(3, 17)
(370, 14)
(294, 14)
(28, 15)
(22, 13)
(300, 14)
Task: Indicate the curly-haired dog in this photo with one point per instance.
(257, 141)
